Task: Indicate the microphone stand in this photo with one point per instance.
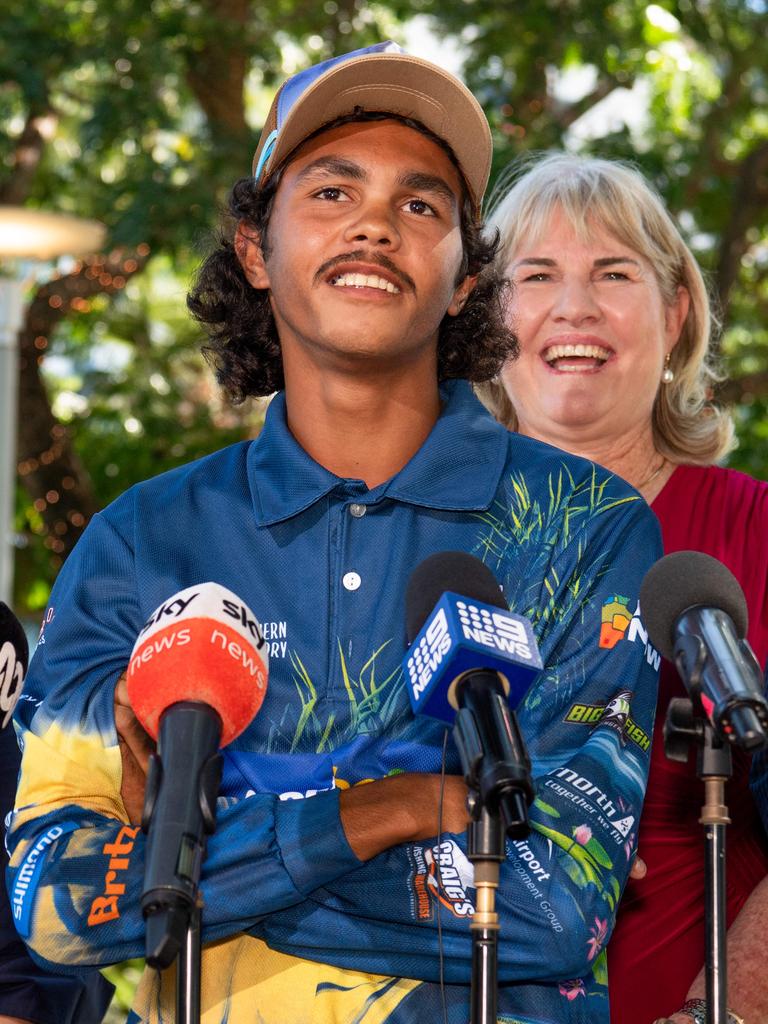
(188, 973)
(171, 901)
(743, 722)
(497, 773)
(683, 728)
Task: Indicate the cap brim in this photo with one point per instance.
(399, 84)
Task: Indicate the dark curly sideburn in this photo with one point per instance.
(244, 347)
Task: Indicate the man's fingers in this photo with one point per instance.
(135, 749)
(133, 784)
(133, 736)
(639, 869)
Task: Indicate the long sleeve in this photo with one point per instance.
(76, 872)
(588, 721)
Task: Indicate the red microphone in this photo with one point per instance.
(196, 679)
(203, 644)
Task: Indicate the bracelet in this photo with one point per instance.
(697, 1009)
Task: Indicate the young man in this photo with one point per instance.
(351, 285)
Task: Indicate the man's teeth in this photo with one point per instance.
(555, 352)
(364, 281)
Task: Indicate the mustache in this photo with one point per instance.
(360, 256)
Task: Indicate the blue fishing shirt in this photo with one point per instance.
(296, 928)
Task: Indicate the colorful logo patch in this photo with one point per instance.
(618, 623)
(442, 873)
(28, 876)
(104, 908)
(615, 620)
(615, 715)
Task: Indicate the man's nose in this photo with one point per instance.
(374, 222)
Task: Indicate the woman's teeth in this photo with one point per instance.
(562, 356)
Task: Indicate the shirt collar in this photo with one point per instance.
(457, 468)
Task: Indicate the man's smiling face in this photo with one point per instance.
(364, 248)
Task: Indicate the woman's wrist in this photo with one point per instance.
(697, 1011)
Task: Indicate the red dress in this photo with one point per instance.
(657, 948)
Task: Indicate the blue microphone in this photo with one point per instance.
(457, 622)
(470, 662)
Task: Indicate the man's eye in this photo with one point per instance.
(616, 275)
(332, 193)
(540, 275)
(420, 207)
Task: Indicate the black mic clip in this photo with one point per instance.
(494, 758)
(739, 715)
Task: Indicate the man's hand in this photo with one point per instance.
(639, 870)
(135, 748)
(380, 814)
(400, 809)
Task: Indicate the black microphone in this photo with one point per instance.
(14, 659)
(196, 679)
(696, 615)
(494, 758)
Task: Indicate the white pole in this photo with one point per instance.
(11, 315)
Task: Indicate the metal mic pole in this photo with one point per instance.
(715, 770)
(682, 729)
(188, 973)
(486, 851)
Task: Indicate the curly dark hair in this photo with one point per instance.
(244, 347)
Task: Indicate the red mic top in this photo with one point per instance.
(203, 644)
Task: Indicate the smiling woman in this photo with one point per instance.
(613, 324)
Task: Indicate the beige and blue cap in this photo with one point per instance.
(378, 78)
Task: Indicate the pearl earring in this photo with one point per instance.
(669, 374)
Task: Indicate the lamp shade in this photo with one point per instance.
(29, 234)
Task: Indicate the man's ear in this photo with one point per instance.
(461, 294)
(250, 255)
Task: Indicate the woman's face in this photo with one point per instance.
(594, 333)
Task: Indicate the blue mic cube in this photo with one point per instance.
(460, 635)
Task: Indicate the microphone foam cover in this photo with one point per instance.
(684, 580)
(453, 571)
(203, 644)
(14, 659)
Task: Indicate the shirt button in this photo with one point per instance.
(358, 511)
(351, 580)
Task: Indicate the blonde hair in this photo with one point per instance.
(616, 198)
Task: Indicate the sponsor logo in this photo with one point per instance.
(105, 908)
(531, 873)
(28, 876)
(583, 793)
(443, 874)
(615, 619)
(623, 825)
(11, 678)
(48, 617)
(493, 629)
(615, 715)
(427, 656)
(525, 853)
(276, 638)
(618, 623)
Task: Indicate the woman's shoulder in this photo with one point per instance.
(720, 511)
(717, 484)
